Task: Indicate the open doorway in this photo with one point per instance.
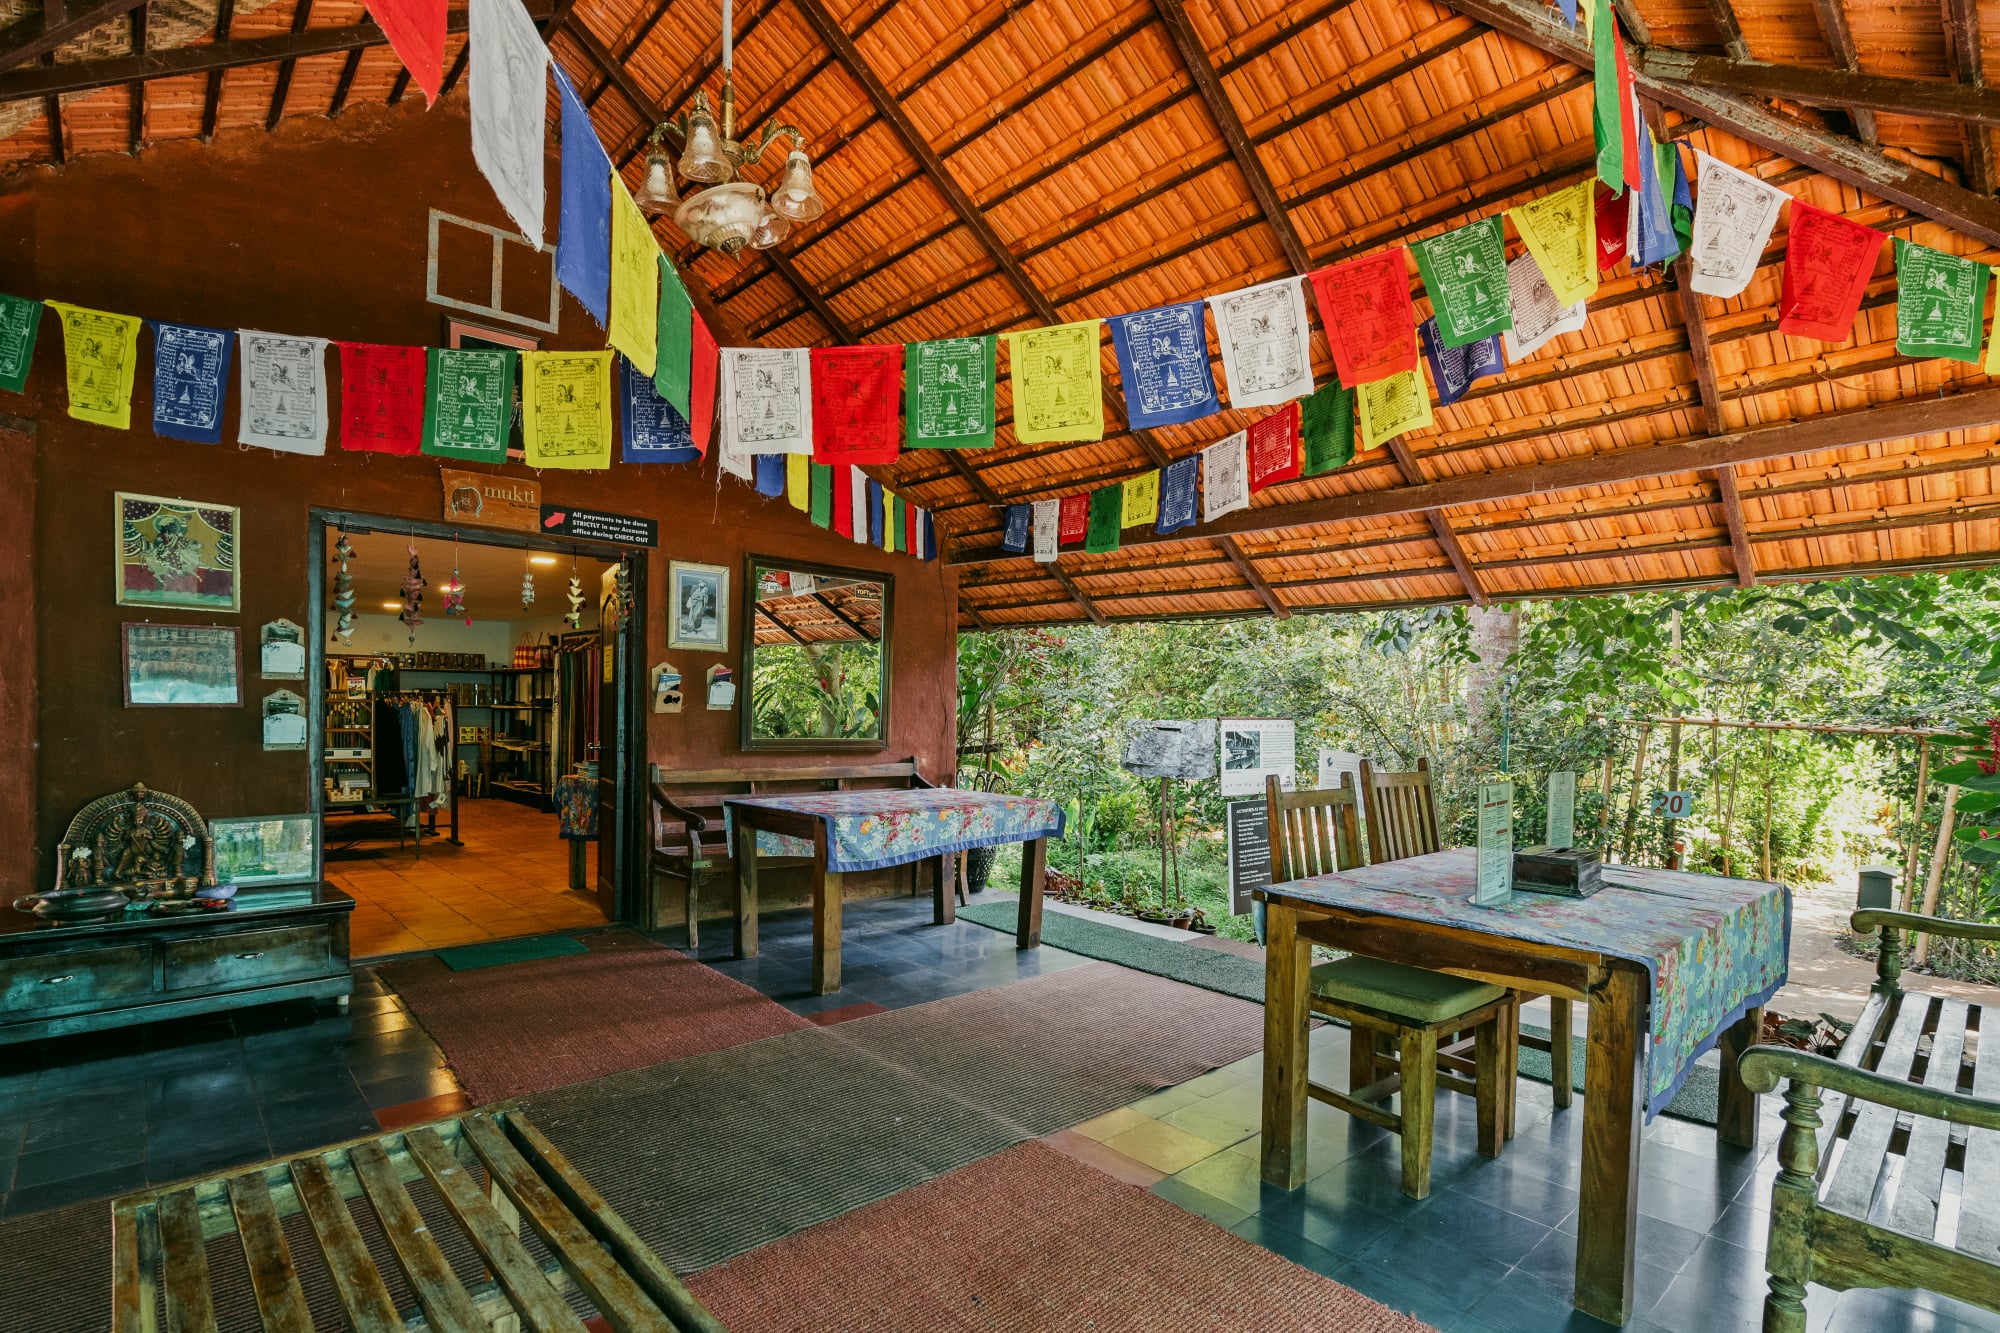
(470, 756)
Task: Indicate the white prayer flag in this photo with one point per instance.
(284, 392)
(1045, 527)
(1266, 343)
(509, 71)
(1733, 216)
(1537, 317)
(766, 400)
(857, 494)
(1225, 476)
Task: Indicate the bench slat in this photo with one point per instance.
(190, 1307)
(1856, 1176)
(1916, 1210)
(446, 1305)
(368, 1306)
(1979, 1215)
(273, 1280)
(135, 1240)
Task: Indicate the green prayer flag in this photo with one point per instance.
(1107, 506)
(1940, 303)
(1326, 424)
(468, 403)
(19, 319)
(822, 495)
(671, 372)
(948, 394)
(1465, 272)
(1680, 205)
(902, 523)
(1607, 112)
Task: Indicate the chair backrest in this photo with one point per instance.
(1312, 832)
(1402, 814)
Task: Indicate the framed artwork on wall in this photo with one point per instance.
(176, 553)
(266, 849)
(190, 666)
(699, 617)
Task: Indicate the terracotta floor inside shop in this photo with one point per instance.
(510, 878)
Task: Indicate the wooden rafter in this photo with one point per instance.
(843, 617)
(211, 102)
(34, 38)
(457, 70)
(1850, 90)
(1711, 414)
(1724, 14)
(301, 20)
(136, 124)
(1739, 539)
(1962, 34)
(52, 109)
(1248, 569)
(348, 69)
(1076, 594)
(400, 86)
(782, 627)
(1839, 37)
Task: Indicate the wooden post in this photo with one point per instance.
(1939, 855)
(1034, 875)
(827, 889)
(1916, 823)
(1736, 1113)
(1672, 856)
(1604, 813)
(1767, 805)
(1614, 1114)
(1632, 802)
(578, 864)
(1163, 844)
(1287, 962)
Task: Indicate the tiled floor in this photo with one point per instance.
(509, 878)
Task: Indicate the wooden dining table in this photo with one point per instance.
(1669, 963)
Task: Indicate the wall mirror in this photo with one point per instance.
(815, 656)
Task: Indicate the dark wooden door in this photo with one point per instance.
(614, 732)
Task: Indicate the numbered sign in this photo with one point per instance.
(1671, 804)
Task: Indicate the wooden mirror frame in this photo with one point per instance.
(747, 626)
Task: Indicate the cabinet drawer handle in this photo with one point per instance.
(246, 957)
(57, 981)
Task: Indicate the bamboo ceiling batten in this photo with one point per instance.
(1002, 165)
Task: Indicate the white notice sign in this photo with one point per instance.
(1496, 843)
(1562, 810)
(1254, 748)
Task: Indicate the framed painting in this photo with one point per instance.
(266, 849)
(176, 553)
(190, 666)
(699, 617)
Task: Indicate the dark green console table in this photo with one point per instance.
(278, 944)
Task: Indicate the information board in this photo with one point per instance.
(1254, 748)
(1249, 828)
(598, 525)
(1496, 843)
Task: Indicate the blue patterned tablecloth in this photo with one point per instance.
(866, 830)
(1715, 948)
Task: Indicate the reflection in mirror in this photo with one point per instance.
(817, 669)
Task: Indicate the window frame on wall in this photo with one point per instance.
(747, 628)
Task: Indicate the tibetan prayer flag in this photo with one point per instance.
(1680, 204)
(902, 525)
(949, 386)
(508, 72)
(819, 501)
(872, 503)
(672, 374)
(469, 403)
(1370, 324)
(798, 482)
(736, 462)
(282, 392)
(770, 474)
(1568, 8)
(858, 484)
(1058, 387)
(1326, 427)
(1649, 223)
(1465, 272)
(381, 398)
(1561, 233)
(100, 349)
(415, 29)
(1611, 108)
(1266, 343)
(1225, 477)
(190, 381)
(1074, 519)
(1390, 407)
(1273, 447)
(925, 543)
(20, 319)
(1940, 303)
(583, 246)
(1140, 500)
(1014, 529)
(1453, 369)
(651, 431)
(1538, 316)
(767, 401)
(1612, 213)
(1179, 494)
(1163, 364)
(635, 282)
(1828, 262)
(1047, 525)
(566, 408)
(856, 392)
(1732, 225)
(1107, 508)
(841, 483)
(705, 366)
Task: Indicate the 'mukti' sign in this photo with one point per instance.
(597, 526)
(496, 501)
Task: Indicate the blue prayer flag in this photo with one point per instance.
(1568, 11)
(1178, 494)
(1453, 369)
(190, 381)
(583, 245)
(874, 513)
(653, 432)
(1014, 536)
(1652, 225)
(929, 525)
(1163, 363)
(770, 474)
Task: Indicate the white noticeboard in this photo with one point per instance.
(1254, 748)
(1562, 810)
(1496, 843)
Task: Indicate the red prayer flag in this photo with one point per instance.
(1828, 261)
(706, 361)
(843, 499)
(1073, 519)
(381, 398)
(1274, 447)
(1612, 211)
(415, 29)
(1628, 114)
(1370, 323)
(855, 395)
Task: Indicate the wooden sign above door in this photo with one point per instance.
(492, 500)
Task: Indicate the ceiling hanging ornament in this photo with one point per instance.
(574, 618)
(343, 591)
(454, 592)
(413, 595)
(729, 213)
(527, 586)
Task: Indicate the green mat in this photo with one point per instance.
(1212, 969)
(469, 956)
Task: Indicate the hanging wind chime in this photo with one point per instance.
(343, 591)
(527, 586)
(621, 594)
(575, 617)
(454, 592)
(413, 595)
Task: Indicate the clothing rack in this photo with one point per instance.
(428, 696)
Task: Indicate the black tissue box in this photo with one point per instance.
(1570, 872)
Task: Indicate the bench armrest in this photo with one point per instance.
(698, 823)
(1873, 918)
(917, 775)
(1762, 1067)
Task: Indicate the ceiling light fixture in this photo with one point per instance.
(392, 606)
(541, 560)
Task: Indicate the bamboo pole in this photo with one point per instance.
(1729, 812)
(1767, 806)
(1632, 802)
(1939, 855)
(1603, 838)
(1916, 824)
(1671, 855)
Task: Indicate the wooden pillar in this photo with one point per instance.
(1632, 801)
(1614, 1113)
(1672, 856)
(1767, 805)
(1287, 1048)
(20, 872)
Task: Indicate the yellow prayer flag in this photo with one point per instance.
(1561, 232)
(1058, 386)
(798, 481)
(1393, 405)
(100, 349)
(888, 522)
(635, 282)
(566, 408)
(1992, 366)
(1141, 504)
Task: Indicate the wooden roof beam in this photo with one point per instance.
(33, 38)
(1839, 37)
(1076, 594)
(351, 67)
(301, 20)
(1711, 412)
(136, 124)
(52, 109)
(1248, 570)
(457, 70)
(1843, 89)
(1961, 30)
(1724, 15)
(211, 102)
(783, 628)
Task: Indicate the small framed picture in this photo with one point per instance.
(266, 849)
(176, 553)
(192, 666)
(699, 617)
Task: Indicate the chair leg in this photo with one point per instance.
(1491, 1080)
(694, 909)
(1360, 1057)
(1560, 1076)
(1510, 1067)
(1419, 1071)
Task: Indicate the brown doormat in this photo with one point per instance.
(627, 1003)
(1034, 1241)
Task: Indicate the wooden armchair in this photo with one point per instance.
(1852, 1218)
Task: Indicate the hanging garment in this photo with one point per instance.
(391, 769)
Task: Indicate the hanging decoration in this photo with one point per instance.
(1225, 480)
(1538, 316)
(948, 394)
(413, 594)
(508, 73)
(768, 474)
(20, 319)
(574, 616)
(100, 350)
(1364, 305)
(1163, 364)
(1073, 519)
(381, 398)
(1272, 444)
(469, 403)
(566, 409)
(1014, 529)
(634, 328)
(798, 482)
(1058, 391)
(1612, 213)
(1266, 343)
(1390, 407)
(841, 485)
(1107, 509)
(527, 586)
(701, 394)
(190, 381)
(1048, 514)
(283, 392)
(820, 497)
(1649, 223)
(1140, 500)
(1326, 429)
(343, 590)
(1179, 494)
(1732, 224)
(766, 401)
(454, 592)
(1560, 232)
(1940, 303)
(1828, 262)
(857, 501)
(650, 430)
(673, 372)
(1453, 369)
(855, 394)
(1465, 272)
(583, 245)
(415, 29)
(1612, 122)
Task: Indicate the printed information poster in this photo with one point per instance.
(1254, 748)
(1562, 810)
(1496, 843)
(1249, 851)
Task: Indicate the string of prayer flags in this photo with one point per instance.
(1649, 223)
(1326, 428)
(190, 381)
(1828, 261)
(855, 393)
(509, 69)
(949, 385)
(1266, 343)
(1073, 515)
(583, 245)
(282, 393)
(415, 29)
(20, 319)
(840, 484)
(1014, 529)
(100, 351)
(566, 408)
(707, 365)
(1453, 369)
(1390, 407)
(1465, 272)
(1163, 364)
(767, 401)
(469, 404)
(635, 282)
(673, 371)
(1107, 510)
(1365, 307)
(1613, 212)
(1611, 118)
(650, 430)
(1940, 303)
(819, 498)
(1225, 477)
(1047, 519)
(857, 503)
(1538, 316)
(1179, 492)
(1561, 233)
(1272, 444)
(798, 482)
(770, 474)
(1732, 225)
(1058, 386)
(1139, 500)
(381, 398)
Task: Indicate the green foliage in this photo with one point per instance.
(819, 690)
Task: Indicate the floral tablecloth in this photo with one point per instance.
(866, 830)
(1714, 948)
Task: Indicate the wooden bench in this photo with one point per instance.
(688, 839)
(1912, 1098)
(160, 1239)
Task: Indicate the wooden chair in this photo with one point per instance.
(1314, 832)
(1403, 822)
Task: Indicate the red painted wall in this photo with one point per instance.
(319, 228)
